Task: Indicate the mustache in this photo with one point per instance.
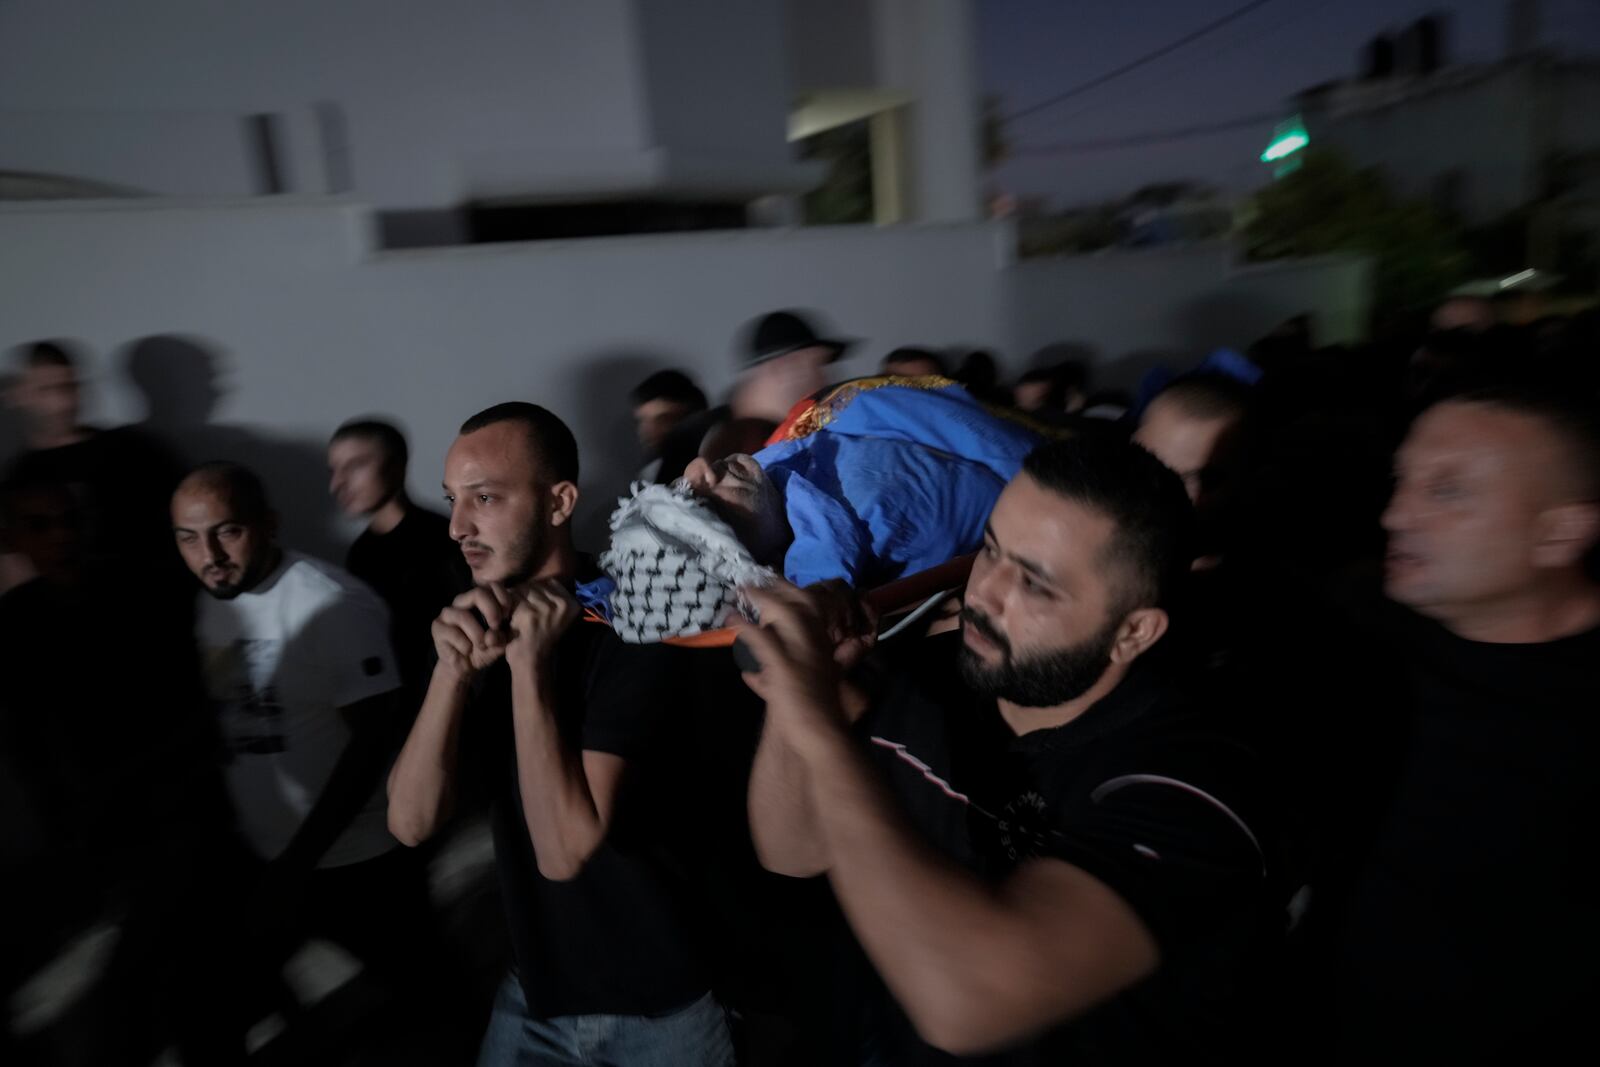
(980, 623)
(476, 546)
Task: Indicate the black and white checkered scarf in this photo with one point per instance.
(676, 565)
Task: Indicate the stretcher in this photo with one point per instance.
(886, 482)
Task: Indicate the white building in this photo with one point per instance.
(422, 107)
(1481, 140)
(247, 326)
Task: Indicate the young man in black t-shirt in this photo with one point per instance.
(405, 553)
(1045, 855)
(571, 731)
(1471, 931)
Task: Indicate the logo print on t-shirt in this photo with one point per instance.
(240, 680)
(1023, 827)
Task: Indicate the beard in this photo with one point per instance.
(1042, 680)
(249, 576)
(526, 554)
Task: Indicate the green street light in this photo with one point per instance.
(1289, 138)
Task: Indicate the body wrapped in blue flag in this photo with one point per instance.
(897, 479)
(873, 480)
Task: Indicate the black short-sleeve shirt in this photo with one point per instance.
(417, 569)
(1151, 798)
(622, 937)
(1472, 928)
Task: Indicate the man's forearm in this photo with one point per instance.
(564, 822)
(354, 777)
(783, 822)
(934, 931)
(421, 784)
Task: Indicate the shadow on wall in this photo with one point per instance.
(1227, 319)
(10, 427)
(1127, 371)
(1059, 352)
(609, 453)
(181, 380)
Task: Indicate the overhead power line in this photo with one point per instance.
(1187, 69)
(1132, 65)
(1136, 140)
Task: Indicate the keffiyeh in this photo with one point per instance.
(676, 566)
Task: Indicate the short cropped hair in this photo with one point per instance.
(554, 447)
(385, 435)
(241, 484)
(670, 385)
(1209, 397)
(1146, 502)
(1572, 418)
(46, 354)
(906, 354)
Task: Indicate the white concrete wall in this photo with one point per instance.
(302, 329)
(181, 153)
(251, 329)
(558, 85)
(832, 44)
(928, 48)
(717, 77)
(1129, 310)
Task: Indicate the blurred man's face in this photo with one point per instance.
(1463, 313)
(768, 390)
(47, 395)
(1030, 396)
(43, 525)
(1190, 447)
(228, 551)
(1040, 620)
(746, 499)
(1473, 489)
(915, 367)
(499, 503)
(655, 419)
(358, 475)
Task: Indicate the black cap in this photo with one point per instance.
(781, 332)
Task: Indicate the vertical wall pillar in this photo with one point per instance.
(928, 48)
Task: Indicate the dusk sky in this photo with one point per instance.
(1033, 49)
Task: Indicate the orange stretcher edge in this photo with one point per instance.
(898, 595)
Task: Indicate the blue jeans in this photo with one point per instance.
(695, 1036)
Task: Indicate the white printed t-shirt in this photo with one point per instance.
(280, 661)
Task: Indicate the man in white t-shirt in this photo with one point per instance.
(297, 662)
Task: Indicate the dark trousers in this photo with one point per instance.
(377, 910)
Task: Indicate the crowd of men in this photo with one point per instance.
(1260, 732)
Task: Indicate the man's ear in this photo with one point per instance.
(1566, 534)
(563, 500)
(1139, 631)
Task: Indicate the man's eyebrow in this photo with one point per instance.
(1022, 561)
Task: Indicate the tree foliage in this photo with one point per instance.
(1327, 205)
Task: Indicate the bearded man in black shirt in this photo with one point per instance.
(1046, 853)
